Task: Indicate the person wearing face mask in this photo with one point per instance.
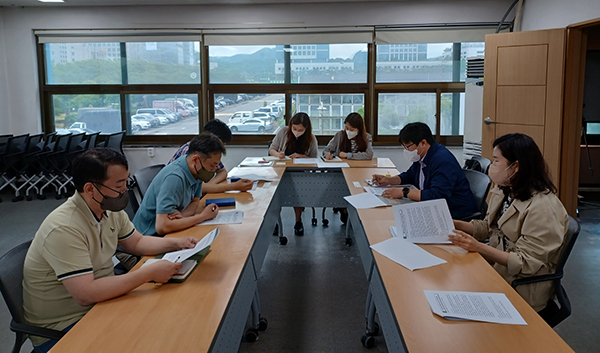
(351, 143)
(68, 267)
(434, 171)
(172, 199)
(526, 222)
(296, 141)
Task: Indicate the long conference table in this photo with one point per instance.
(208, 312)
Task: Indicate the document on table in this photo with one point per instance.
(182, 255)
(378, 190)
(474, 306)
(425, 222)
(407, 254)
(306, 161)
(255, 162)
(322, 164)
(453, 249)
(254, 174)
(276, 159)
(364, 200)
(225, 217)
(334, 159)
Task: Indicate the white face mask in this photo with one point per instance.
(298, 133)
(351, 134)
(498, 177)
(412, 156)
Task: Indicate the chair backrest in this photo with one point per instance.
(3, 142)
(34, 142)
(90, 142)
(569, 241)
(11, 280)
(48, 143)
(478, 163)
(143, 177)
(480, 186)
(269, 147)
(115, 141)
(75, 141)
(62, 142)
(133, 204)
(17, 144)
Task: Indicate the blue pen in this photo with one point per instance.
(234, 179)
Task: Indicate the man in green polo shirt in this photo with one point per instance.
(69, 265)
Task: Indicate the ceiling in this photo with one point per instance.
(29, 3)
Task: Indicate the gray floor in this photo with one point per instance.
(313, 289)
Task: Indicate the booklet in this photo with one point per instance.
(474, 306)
(186, 269)
(424, 222)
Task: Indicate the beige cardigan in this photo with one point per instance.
(533, 231)
(280, 140)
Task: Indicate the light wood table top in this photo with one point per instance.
(360, 175)
(176, 317)
(424, 331)
(353, 163)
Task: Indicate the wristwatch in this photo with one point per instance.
(405, 191)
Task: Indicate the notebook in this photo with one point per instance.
(188, 267)
(222, 202)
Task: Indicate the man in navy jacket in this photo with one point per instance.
(435, 172)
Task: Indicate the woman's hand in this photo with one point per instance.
(343, 155)
(297, 155)
(465, 241)
(328, 156)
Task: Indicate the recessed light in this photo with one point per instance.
(51, 0)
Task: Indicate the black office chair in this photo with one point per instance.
(114, 141)
(478, 163)
(143, 178)
(554, 314)
(480, 185)
(11, 286)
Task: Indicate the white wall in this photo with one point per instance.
(18, 51)
(546, 14)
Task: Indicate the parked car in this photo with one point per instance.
(159, 111)
(239, 117)
(274, 111)
(143, 124)
(249, 125)
(154, 122)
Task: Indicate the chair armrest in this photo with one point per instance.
(36, 331)
(536, 279)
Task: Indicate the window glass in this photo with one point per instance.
(251, 113)
(326, 63)
(244, 64)
(162, 114)
(163, 63)
(328, 118)
(398, 109)
(86, 113)
(593, 128)
(452, 114)
(82, 63)
(424, 62)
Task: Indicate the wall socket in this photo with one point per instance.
(150, 151)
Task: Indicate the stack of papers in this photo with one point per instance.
(425, 222)
(407, 254)
(365, 200)
(334, 159)
(255, 162)
(225, 217)
(254, 174)
(320, 163)
(487, 307)
(276, 159)
(182, 255)
(306, 160)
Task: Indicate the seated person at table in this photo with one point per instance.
(351, 143)
(173, 197)
(216, 185)
(69, 267)
(526, 223)
(296, 141)
(434, 171)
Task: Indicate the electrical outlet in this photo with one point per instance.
(150, 151)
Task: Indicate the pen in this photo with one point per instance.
(178, 257)
(214, 208)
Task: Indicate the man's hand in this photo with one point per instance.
(243, 185)
(464, 240)
(393, 193)
(163, 270)
(185, 243)
(210, 211)
(381, 180)
(175, 215)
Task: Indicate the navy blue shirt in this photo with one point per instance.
(444, 179)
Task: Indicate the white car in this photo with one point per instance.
(142, 124)
(249, 125)
(162, 120)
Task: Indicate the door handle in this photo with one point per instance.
(488, 121)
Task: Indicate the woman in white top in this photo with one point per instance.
(351, 143)
(296, 141)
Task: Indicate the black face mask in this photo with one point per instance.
(114, 204)
(203, 174)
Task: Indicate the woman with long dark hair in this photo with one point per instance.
(351, 143)
(296, 141)
(526, 223)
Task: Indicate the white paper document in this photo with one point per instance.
(407, 254)
(356, 184)
(334, 159)
(322, 164)
(225, 217)
(425, 222)
(254, 174)
(306, 160)
(255, 162)
(276, 159)
(182, 255)
(474, 306)
(364, 200)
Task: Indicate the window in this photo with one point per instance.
(250, 113)
(84, 64)
(452, 109)
(398, 109)
(86, 113)
(326, 63)
(328, 111)
(244, 64)
(167, 114)
(163, 63)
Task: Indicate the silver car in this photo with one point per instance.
(250, 125)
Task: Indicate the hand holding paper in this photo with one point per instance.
(182, 255)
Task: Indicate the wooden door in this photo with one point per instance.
(523, 90)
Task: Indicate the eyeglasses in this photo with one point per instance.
(109, 188)
(408, 146)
